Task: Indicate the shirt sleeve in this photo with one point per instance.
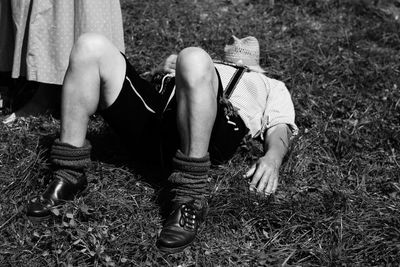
(279, 107)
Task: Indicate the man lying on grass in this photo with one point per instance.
(200, 113)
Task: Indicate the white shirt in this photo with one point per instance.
(262, 102)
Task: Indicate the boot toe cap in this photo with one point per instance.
(39, 208)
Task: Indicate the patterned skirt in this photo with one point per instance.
(36, 36)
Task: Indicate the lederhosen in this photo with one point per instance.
(144, 115)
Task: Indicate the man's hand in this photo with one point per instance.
(264, 174)
(169, 64)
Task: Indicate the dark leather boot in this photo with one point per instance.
(181, 227)
(57, 193)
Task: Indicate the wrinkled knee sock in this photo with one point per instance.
(70, 162)
(189, 179)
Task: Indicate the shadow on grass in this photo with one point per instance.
(108, 148)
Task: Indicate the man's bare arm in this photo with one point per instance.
(264, 173)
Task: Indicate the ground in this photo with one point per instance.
(338, 198)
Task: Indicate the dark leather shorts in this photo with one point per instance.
(144, 115)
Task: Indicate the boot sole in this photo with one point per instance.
(168, 250)
(48, 217)
(40, 219)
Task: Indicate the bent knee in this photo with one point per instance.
(194, 58)
(90, 46)
(194, 65)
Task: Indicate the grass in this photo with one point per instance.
(338, 199)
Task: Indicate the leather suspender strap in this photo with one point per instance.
(234, 80)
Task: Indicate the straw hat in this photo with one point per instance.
(245, 52)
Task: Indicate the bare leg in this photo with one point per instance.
(197, 88)
(94, 78)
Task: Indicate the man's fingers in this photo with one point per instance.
(269, 187)
(264, 180)
(275, 186)
(272, 184)
(169, 70)
(262, 185)
(172, 66)
(250, 172)
(257, 176)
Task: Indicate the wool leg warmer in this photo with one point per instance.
(69, 161)
(189, 179)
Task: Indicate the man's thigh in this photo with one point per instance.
(227, 133)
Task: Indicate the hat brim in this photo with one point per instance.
(256, 68)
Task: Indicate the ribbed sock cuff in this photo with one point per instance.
(72, 176)
(69, 156)
(189, 179)
(69, 161)
(194, 166)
